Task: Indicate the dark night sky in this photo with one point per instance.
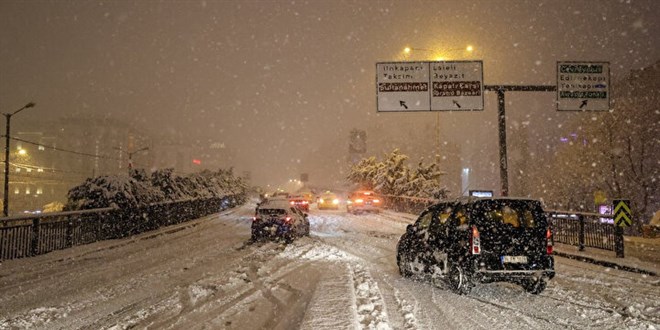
(283, 82)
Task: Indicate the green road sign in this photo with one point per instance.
(622, 213)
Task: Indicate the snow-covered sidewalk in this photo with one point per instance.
(640, 255)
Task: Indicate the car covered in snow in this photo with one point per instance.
(480, 240)
(361, 201)
(277, 219)
(328, 201)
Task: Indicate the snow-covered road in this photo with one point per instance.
(204, 274)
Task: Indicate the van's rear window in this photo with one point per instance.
(518, 214)
(271, 212)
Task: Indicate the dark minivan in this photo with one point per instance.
(480, 240)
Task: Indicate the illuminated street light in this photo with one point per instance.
(5, 206)
(130, 156)
(439, 54)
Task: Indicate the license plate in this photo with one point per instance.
(514, 259)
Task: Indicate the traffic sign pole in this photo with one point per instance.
(622, 218)
(501, 116)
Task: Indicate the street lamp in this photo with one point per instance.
(5, 205)
(130, 157)
(441, 53)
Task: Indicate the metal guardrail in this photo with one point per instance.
(584, 229)
(31, 235)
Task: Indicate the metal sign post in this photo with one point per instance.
(622, 218)
(501, 115)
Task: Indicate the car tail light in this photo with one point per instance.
(475, 242)
(305, 202)
(548, 237)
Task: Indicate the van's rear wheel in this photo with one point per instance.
(458, 281)
(404, 265)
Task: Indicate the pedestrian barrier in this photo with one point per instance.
(35, 234)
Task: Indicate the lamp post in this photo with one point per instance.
(440, 55)
(5, 205)
(130, 157)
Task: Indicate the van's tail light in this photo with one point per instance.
(548, 237)
(475, 242)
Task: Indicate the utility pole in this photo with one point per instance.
(5, 205)
(130, 157)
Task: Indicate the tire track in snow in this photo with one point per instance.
(369, 303)
(407, 311)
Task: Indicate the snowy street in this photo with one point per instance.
(205, 274)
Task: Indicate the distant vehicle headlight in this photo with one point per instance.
(335, 201)
(321, 200)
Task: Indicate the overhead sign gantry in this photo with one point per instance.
(458, 85)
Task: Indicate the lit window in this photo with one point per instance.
(17, 191)
(29, 170)
(42, 148)
(40, 191)
(40, 169)
(27, 190)
(18, 169)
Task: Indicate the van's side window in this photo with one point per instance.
(424, 220)
(444, 214)
(460, 216)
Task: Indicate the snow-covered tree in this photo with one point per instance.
(364, 173)
(140, 189)
(393, 177)
(112, 191)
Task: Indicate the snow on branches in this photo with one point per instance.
(140, 189)
(393, 177)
